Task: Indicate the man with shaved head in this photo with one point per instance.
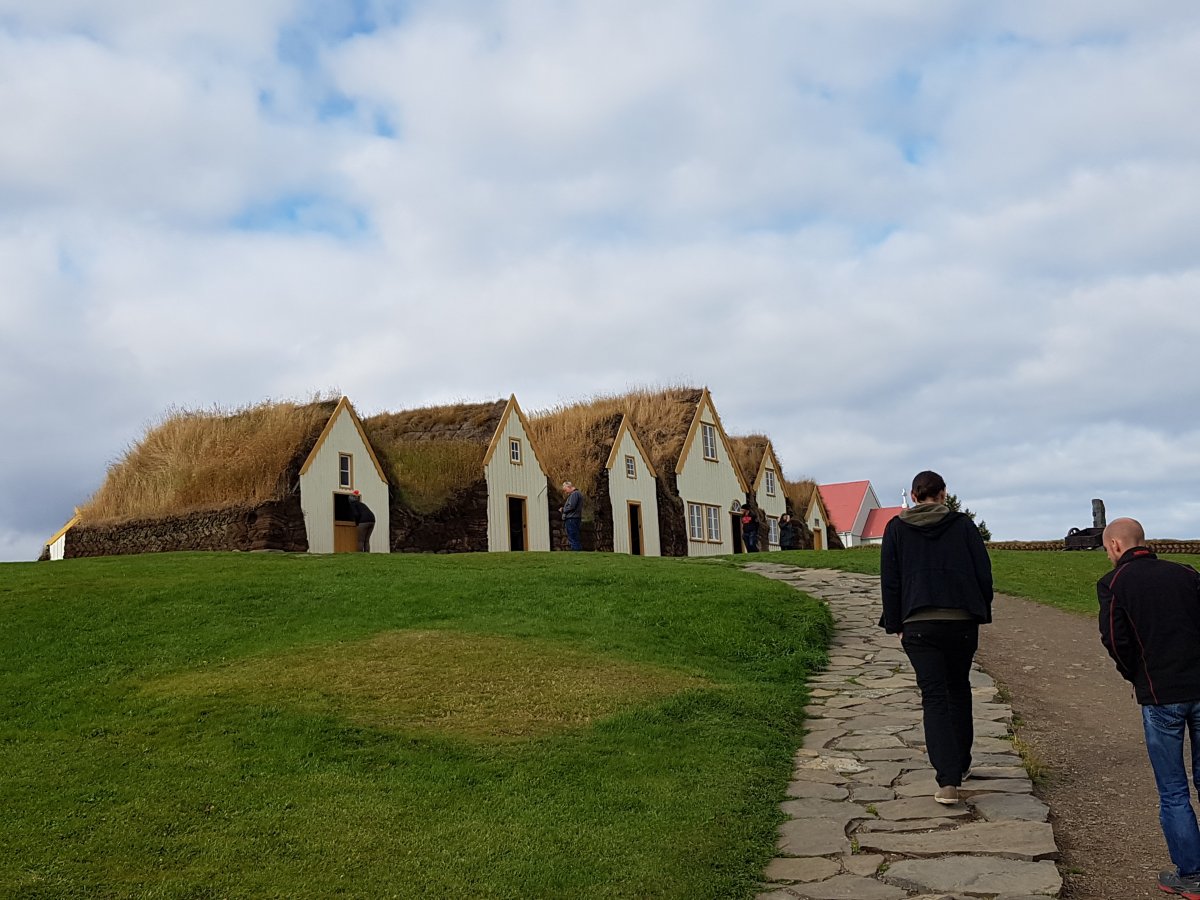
(1150, 625)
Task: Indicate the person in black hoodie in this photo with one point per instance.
(936, 581)
(364, 519)
(1150, 625)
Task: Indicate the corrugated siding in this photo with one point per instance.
(622, 489)
(774, 507)
(526, 480)
(59, 547)
(711, 483)
(320, 483)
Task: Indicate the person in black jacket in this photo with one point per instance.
(749, 529)
(364, 519)
(936, 581)
(1150, 625)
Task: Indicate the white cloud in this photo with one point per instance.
(892, 237)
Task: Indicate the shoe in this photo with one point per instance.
(1170, 883)
(947, 796)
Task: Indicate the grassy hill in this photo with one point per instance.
(548, 725)
(1065, 580)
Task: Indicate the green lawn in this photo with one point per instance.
(533, 725)
(1063, 579)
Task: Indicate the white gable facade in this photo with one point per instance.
(817, 522)
(709, 484)
(632, 490)
(518, 508)
(768, 495)
(340, 463)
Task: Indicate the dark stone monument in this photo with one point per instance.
(1088, 538)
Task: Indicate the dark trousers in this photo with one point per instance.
(573, 538)
(941, 654)
(364, 536)
(750, 540)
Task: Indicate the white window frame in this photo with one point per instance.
(712, 521)
(346, 472)
(695, 522)
(773, 530)
(514, 451)
(630, 466)
(769, 482)
(708, 440)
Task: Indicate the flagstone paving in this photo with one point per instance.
(862, 823)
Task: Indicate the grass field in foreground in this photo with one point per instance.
(503, 725)
(1063, 579)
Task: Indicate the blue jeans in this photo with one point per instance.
(1165, 726)
(573, 533)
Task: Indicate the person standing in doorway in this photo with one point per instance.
(936, 581)
(749, 529)
(1150, 625)
(364, 520)
(572, 514)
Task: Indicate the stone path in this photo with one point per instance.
(862, 822)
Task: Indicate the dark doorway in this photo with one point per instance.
(517, 536)
(736, 531)
(635, 529)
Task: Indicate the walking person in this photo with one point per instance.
(572, 514)
(936, 582)
(364, 519)
(788, 536)
(1150, 625)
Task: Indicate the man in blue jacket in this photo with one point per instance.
(936, 581)
(1150, 625)
(572, 514)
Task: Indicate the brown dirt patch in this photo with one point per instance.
(1079, 719)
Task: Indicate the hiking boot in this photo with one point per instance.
(947, 796)
(1170, 883)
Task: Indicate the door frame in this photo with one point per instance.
(630, 506)
(508, 508)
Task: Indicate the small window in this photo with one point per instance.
(816, 522)
(630, 467)
(708, 435)
(773, 530)
(769, 482)
(695, 521)
(345, 471)
(514, 451)
(714, 523)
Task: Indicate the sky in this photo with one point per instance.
(890, 235)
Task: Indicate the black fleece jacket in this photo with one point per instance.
(943, 563)
(1150, 625)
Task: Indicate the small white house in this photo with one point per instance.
(709, 483)
(633, 494)
(340, 463)
(518, 505)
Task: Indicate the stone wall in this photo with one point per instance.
(458, 526)
(277, 525)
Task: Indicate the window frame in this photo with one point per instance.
(516, 452)
(346, 483)
(773, 530)
(712, 517)
(770, 481)
(696, 522)
(630, 466)
(708, 439)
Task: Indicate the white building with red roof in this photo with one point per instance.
(855, 512)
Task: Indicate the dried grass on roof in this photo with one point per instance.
(213, 459)
(748, 452)
(661, 417)
(800, 493)
(433, 452)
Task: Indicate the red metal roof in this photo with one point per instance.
(877, 519)
(843, 501)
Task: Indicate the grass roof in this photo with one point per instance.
(210, 459)
(801, 494)
(576, 438)
(748, 452)
(433, 452)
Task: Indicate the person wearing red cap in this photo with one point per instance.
(364, 519)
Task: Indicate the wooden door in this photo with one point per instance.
(818, 539)
(635, 529)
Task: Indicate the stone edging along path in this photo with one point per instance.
(862, 822)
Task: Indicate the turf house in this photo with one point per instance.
(465, 477)
(277, 476)
(815, 529)
(764, 476)
(594, 446)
